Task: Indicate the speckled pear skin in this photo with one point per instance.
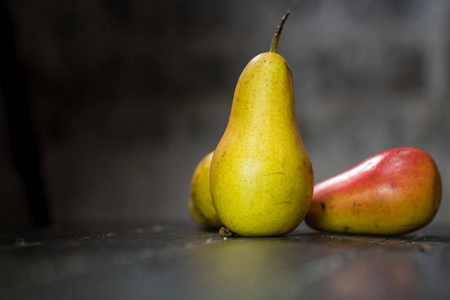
(200, 204)
(261, 175)
(393, 192)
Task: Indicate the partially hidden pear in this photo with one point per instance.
(261, 175)
(200, 204)
(393, 192)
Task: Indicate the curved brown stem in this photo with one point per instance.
(276, 37)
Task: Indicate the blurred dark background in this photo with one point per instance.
(125, 97)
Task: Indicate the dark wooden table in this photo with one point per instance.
(181, 261)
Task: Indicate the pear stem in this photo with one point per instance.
(276, 37)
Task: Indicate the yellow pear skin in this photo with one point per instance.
(261, 175)
(200, 204)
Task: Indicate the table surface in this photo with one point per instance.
(182, 261)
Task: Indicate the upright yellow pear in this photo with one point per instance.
(261, 176)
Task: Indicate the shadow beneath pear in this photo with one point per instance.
(420, 240)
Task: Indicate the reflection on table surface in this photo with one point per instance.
(181, 261)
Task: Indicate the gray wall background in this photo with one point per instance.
(129, 95)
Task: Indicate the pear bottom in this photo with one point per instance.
(272, 211)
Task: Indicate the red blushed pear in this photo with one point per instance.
(393, 192)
